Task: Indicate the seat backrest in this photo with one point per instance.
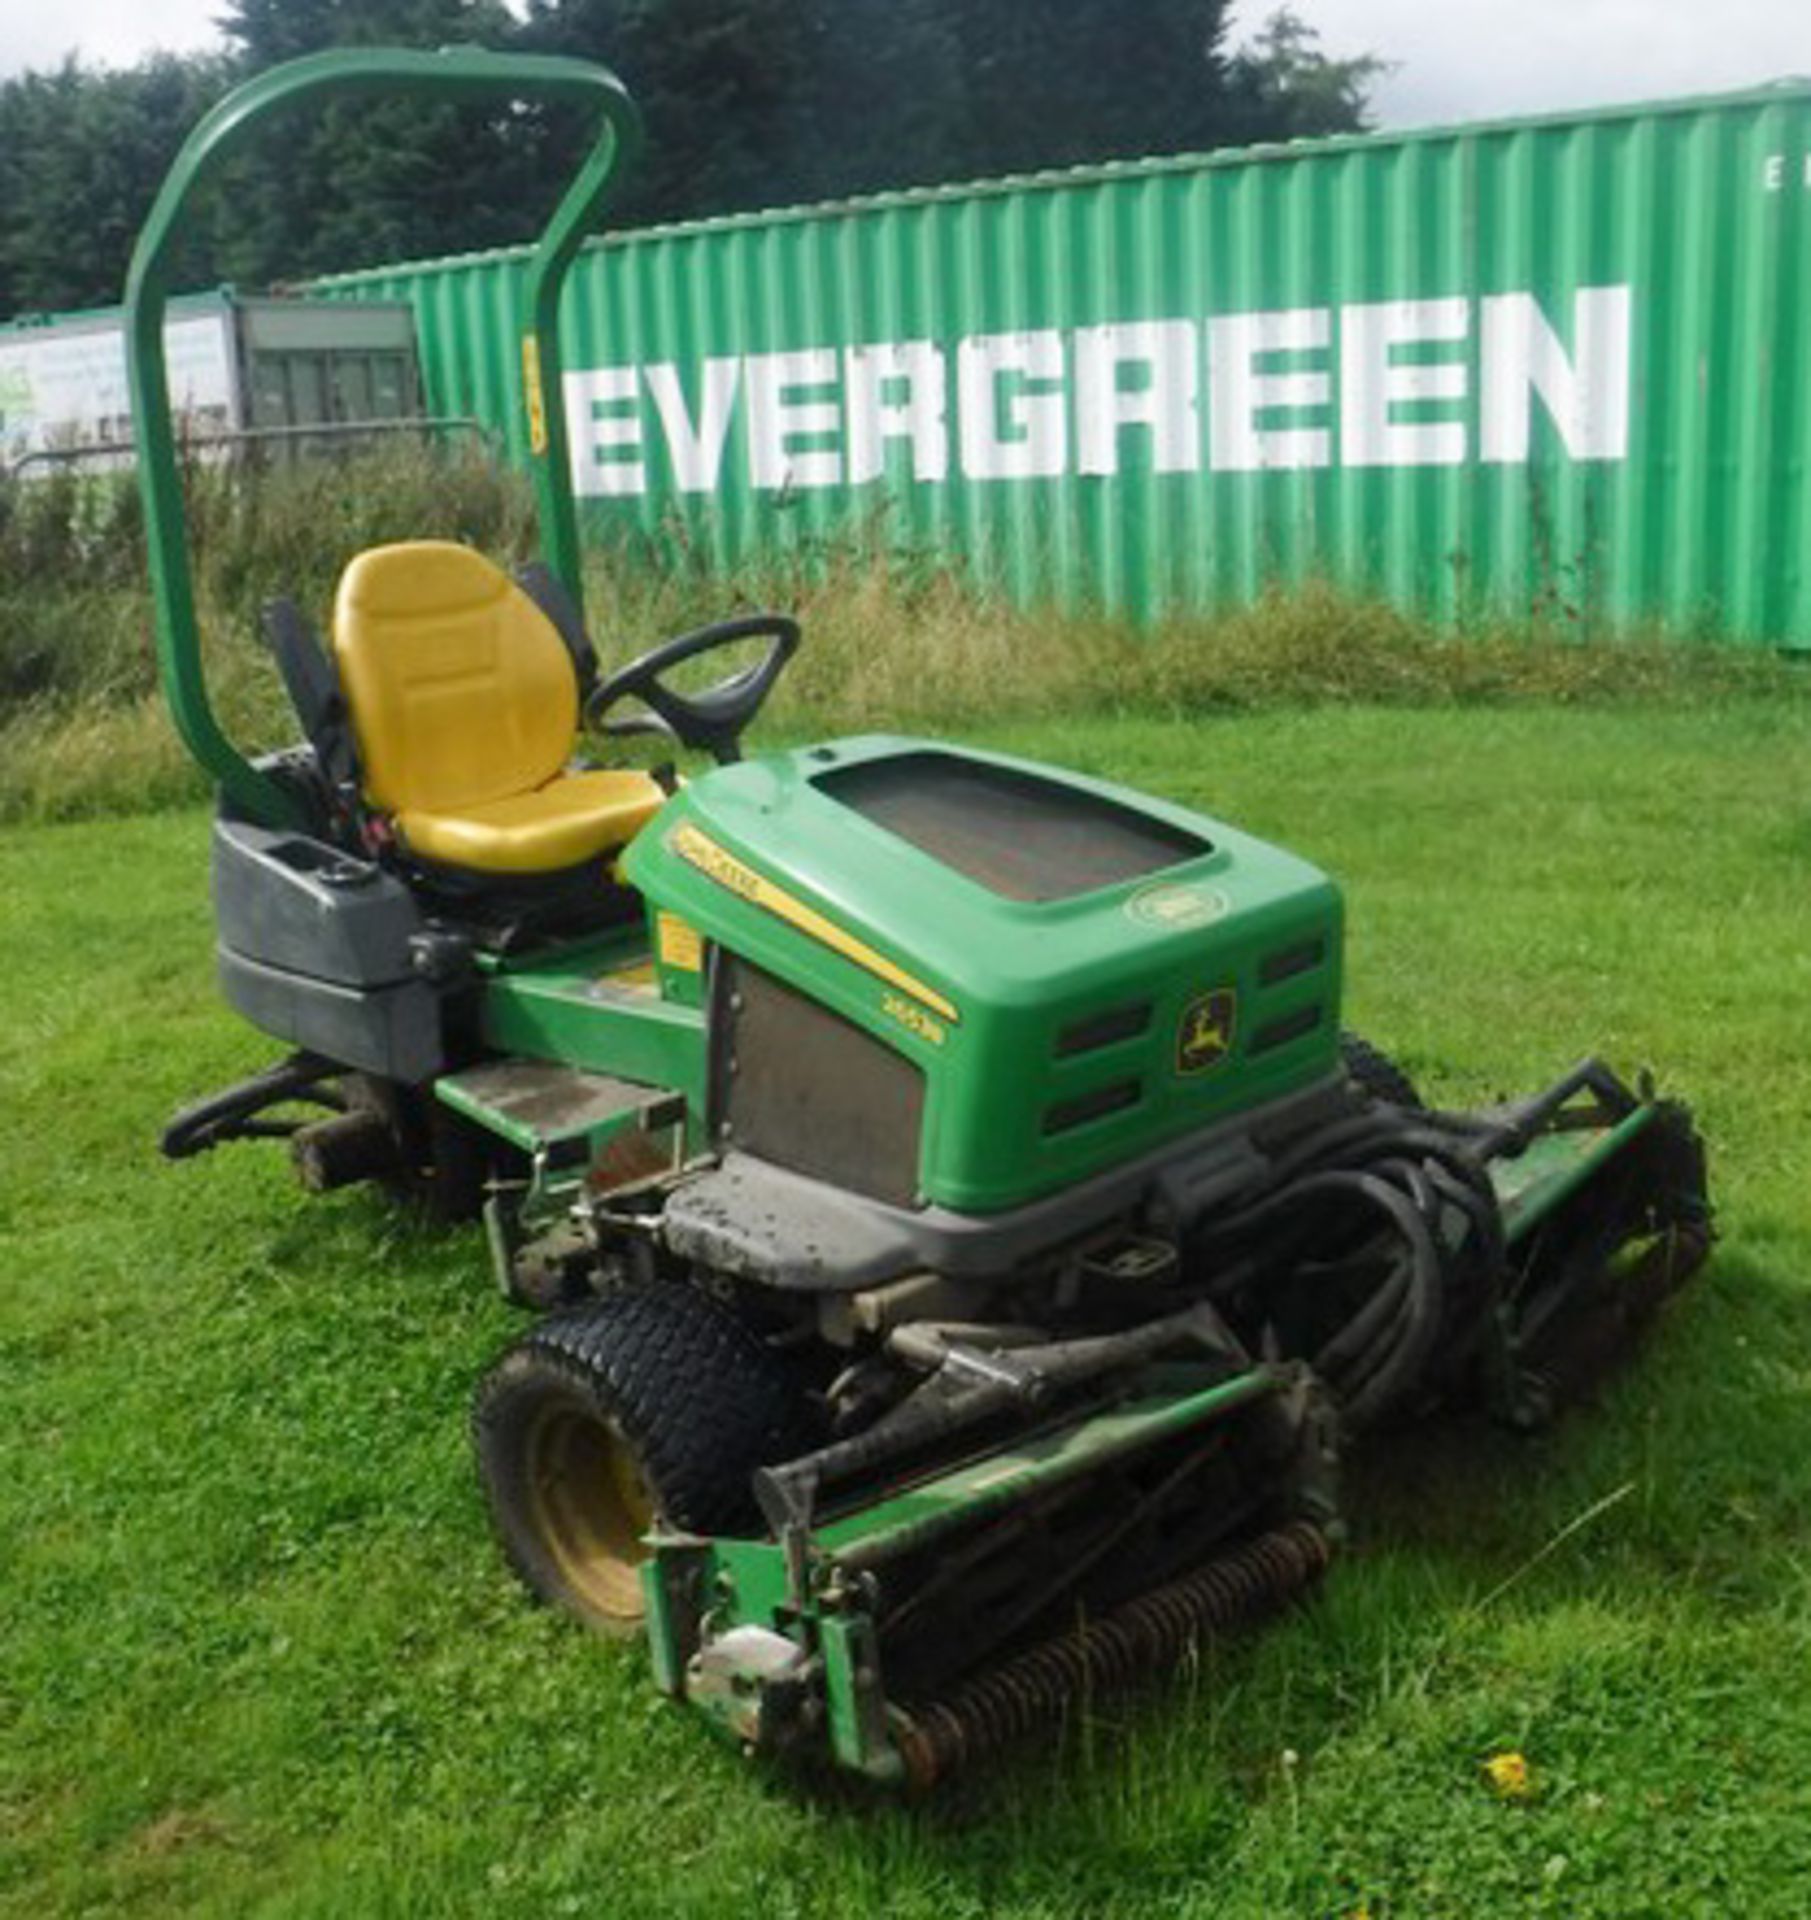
(459, 686)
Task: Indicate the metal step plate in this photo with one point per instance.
(536, 1104)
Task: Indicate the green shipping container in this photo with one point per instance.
(1558, 365)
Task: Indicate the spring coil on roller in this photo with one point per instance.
(1144, 1635)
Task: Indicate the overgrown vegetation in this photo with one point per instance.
(82, 726)
(260, 1657)
(892, 643)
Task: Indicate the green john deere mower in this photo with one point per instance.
(962, 1239)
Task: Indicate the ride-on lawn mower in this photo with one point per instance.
(963, 1237)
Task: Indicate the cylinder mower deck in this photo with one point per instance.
(1043, 1523)
(1115, 1532)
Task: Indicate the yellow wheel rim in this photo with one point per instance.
(590, 1506)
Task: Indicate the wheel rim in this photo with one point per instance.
(590, 1506)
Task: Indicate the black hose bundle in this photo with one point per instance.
(1373, 1253)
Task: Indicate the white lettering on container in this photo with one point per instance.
(1394, 383)
(876, 415)
(600, 427)
(777, 419)
(1374, 383)
(1165, 401)
(1586, 393)
(1238, 391)
(695, 448)
(1030, 437)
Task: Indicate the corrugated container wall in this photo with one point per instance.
(1560, 366)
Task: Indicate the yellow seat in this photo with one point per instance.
(465, 706)
(577, 816)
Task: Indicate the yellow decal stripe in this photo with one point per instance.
(533, 394)
(702, 852)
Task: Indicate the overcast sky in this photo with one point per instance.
(1467, 59)
(1457, 59)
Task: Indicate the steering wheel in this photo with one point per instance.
(713, 720)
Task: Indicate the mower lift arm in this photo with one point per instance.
(454, 73)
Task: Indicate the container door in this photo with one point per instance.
(351, 387)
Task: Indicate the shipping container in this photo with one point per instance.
(1558, 366)
(240, 369)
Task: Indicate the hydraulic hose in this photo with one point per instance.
(1379, 1202)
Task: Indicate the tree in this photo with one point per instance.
(81, 153)
(369, 181)
(1284, 88)
(1063, 84)
(716, 85)
(881, 100)
(768, 102)
(749, 103)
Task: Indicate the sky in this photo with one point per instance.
(1474, 59)
(1456, 59)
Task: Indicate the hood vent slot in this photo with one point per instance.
(1287, 962)
(1103, 1029)
(1279, 1032)
(1080, 1108)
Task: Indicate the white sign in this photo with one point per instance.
(66, 386)
(1394, 383)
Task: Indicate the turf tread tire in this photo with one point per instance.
(699, 1399)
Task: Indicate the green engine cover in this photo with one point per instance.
(1079, 973)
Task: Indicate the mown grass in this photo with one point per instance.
(260, 1656)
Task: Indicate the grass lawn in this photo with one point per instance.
(258, 1654)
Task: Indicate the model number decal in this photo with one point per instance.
(698, 849)
(914, 1019)
(681, 946)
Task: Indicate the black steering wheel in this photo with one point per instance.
(712, 721)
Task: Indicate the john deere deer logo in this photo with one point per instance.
(1204, 1038)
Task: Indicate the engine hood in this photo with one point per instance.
(1078, 971)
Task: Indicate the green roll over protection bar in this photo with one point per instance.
(454, 73)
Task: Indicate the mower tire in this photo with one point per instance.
(1375, 1073)
(655, 1402)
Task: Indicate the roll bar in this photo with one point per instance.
(453, 73)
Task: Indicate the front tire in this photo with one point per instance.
(654, 1403)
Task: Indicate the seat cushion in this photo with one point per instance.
(576, 817)
(460, 688)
